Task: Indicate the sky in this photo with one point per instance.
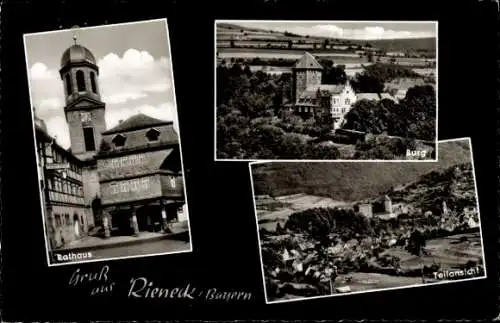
(134, 72)
(349, 30)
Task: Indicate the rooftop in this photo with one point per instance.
(138, 121)
(307, 61)
(77, 54)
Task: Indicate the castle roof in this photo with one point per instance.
(136, 122)
(308, 62)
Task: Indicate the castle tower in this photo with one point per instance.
(84, 109)
(306, 73)
(387, 204)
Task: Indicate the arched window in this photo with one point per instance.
(92, 82)
(80, 81)
(69, 90)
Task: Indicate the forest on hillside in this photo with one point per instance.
(250, 124)
(320, 247)
(349, 181)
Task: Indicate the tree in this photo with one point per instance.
(370, 57)
(416, 245)
(325, 44)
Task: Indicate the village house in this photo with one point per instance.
(395, 54)
(66, 216)
(399, 87)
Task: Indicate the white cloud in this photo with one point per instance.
(39, 71)
(165, 111)
(46, 88)
(331, 30)
(136, 77)
(335, 31)
(50, 104)
(132, 76)
(58, 128)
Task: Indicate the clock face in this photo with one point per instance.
(86, 116)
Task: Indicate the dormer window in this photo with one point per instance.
(119, 140)
(152, 134)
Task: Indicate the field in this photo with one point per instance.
(353, 62)
(449, 252)
(294, 203)
(263, 37)
(339, 58)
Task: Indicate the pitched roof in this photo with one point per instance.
(308, 62)
(324, 88)
(331, 88)
(367, 96)
(151, 162)
(138, 121)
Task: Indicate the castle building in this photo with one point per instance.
(387, 204)
(366, 209)
(311, 98)
(387, 213)
(122, 180)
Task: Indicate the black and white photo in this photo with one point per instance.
(325, 90)
(336, 228)
(107, 142)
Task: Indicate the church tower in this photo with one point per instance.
(387, 204)
(84, 109)
(306, 73)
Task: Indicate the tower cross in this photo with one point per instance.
(75, 33)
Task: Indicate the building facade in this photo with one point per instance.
(67, 218)
(118, 181)
(311, 98)
(140, 176)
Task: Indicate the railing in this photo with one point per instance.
(65, 198)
